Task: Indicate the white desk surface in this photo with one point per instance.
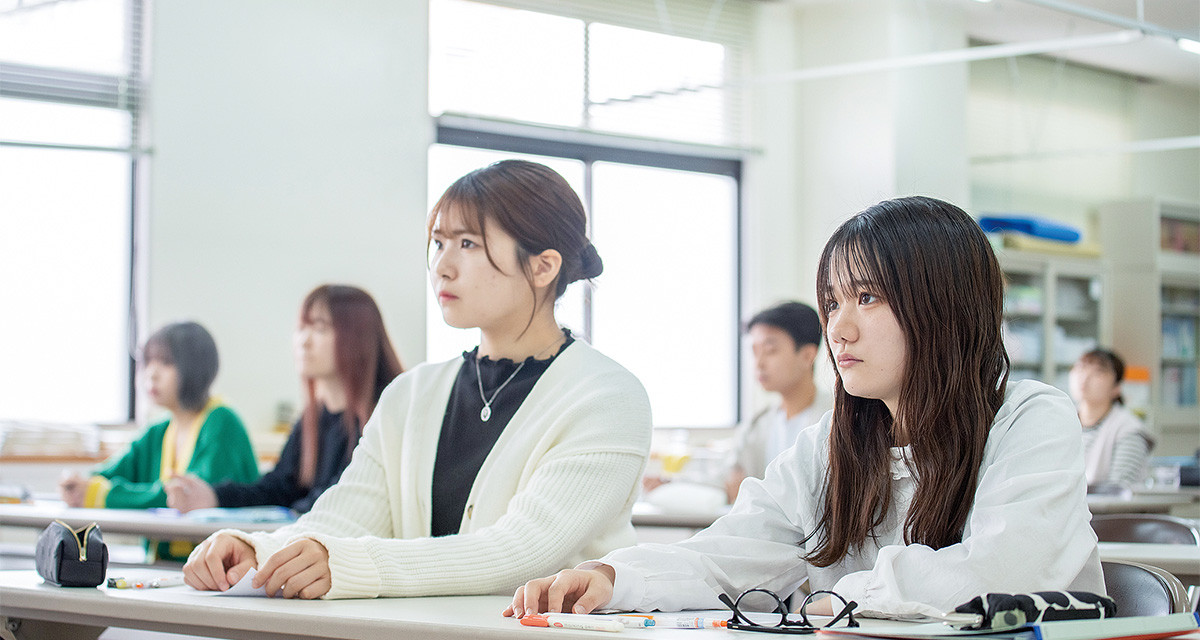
(1141, 501)
(24, 596)
(1179, 559)
(140, 522)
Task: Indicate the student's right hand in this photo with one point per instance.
(73, 489)
(218, 563)
(570, 590)
(188, 493)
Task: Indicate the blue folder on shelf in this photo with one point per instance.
(1030, 225)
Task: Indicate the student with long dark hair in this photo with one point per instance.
(202, 436)
(474, 475)
(931, 482)
(345, 360)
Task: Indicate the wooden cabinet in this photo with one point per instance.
(1153, 248)
(1054, 312)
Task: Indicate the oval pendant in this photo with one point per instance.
(485, 414)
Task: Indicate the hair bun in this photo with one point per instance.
(590, 264)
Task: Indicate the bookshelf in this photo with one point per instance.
(1154, 249)
(1054, 312)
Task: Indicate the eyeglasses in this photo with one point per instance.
(785, 625)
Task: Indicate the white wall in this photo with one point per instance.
(289, 143)
(828, 148)
(1021, 108)
(1166, 111)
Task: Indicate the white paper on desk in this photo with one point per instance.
(243, 588)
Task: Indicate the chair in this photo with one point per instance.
(1142, 590)
(1145, 527)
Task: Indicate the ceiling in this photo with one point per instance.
(1153, 56)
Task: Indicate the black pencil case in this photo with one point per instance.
(1010, 610)
(69, 557)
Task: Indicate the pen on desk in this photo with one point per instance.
(573, 621)
(170, 581)
(126, 583)
(670, 621)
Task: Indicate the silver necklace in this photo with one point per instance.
(485, 414)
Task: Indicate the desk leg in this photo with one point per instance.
(28, 629)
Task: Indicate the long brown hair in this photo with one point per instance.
(533, 204)
(365, 360)
(935, 269)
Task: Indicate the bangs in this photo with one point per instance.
(463, 207)
(1104, 360)
(460, 207)
(156, 349)
(319, 296)
(851, 265)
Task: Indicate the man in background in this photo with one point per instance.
(785, 340)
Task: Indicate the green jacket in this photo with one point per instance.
(222, 452)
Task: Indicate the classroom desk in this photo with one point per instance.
(139, 522)
(76, 614)
(648, 515)
(1139, 501)
(1183, 560)
(1143, 501)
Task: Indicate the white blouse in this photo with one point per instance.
(1028, 529)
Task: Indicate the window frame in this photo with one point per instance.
(590, 147)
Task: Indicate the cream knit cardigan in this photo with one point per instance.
(557, 488)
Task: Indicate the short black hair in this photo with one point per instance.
(193, 352)
(799, 320)
(1107, 360)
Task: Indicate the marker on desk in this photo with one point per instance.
(170, 581)
(573, 621)
(125, 583)
(671, 621)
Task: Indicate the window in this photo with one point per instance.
(68, 161)
(600, 68)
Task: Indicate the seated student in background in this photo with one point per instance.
(785, 340)
(345, 360)
(202, 437)
(1116, 445)
(932, 480)
(474, 475)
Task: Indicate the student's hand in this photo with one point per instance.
(650, 483)
(571, 590)
(187, 493)
(822, 607)
(299, 570)
(733, 483)
(73, 489)
(219, 562)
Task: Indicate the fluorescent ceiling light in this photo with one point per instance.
(1189, 45)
